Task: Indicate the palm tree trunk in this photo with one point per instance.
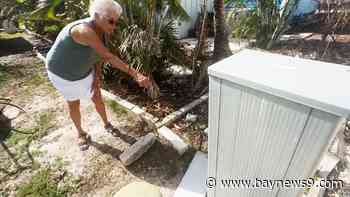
(221, 42)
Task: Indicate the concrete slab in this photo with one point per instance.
(193, 183)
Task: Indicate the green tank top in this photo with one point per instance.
(70, 60)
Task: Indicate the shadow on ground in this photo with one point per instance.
(14, 46)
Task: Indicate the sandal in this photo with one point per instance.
(112, 129)
(109, 128)
(84, 140)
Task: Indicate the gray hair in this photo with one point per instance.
(105, 7)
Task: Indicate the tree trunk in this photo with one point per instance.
(221, 42)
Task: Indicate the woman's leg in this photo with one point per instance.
(100, 106)
(74, 112)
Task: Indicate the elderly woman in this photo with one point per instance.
(74, 62)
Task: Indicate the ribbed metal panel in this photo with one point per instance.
(255, 135)
(313, 142)
(214, 117)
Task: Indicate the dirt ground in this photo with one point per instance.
(95, 172)
(311, 46)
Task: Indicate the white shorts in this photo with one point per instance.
(72, 90)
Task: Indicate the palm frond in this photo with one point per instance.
(46, 10)
(177, 10)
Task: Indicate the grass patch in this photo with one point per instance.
(42, 184)
(116, 108)
(59, 163)
(37, 80)
(50, 181)
(4, 74)
(21, 142)
(43, 122)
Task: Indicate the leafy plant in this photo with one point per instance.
(268, 16)
(146, 37)
(50, 16)
(42, 184)
(147, 41)
(267, 21)
(281, 20)
(243, 25)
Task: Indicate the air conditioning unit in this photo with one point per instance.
(271, 117)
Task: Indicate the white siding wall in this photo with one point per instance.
(193, 8)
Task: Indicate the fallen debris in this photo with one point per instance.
(134, 152)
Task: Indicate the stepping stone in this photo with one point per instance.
(138, 189)
(11, 112)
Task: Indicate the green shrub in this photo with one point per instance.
(243, 26)
(40, 185)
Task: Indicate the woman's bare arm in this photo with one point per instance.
(85, 35)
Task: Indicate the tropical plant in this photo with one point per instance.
(267, 13)
(10, 15)
(146, 37)
(50, 16)
(242, 22)
(268, 21)
(280, 18)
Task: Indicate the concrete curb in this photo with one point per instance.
(161, 126)
(177, 114)
(176, 142)
(129, 106)
(41, 57)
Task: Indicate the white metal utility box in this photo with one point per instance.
(270, 118)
